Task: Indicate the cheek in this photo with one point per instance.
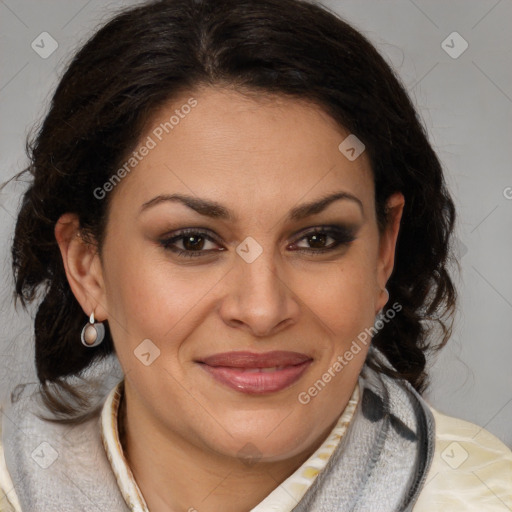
(345, 293)
(149, 297)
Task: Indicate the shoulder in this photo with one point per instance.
(8, 499)
(471, 469)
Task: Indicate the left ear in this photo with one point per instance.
(387, 244)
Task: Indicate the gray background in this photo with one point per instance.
(466, 104)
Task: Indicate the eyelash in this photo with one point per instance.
(342, 237)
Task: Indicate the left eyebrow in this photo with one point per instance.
(213, 209)
(308, 209)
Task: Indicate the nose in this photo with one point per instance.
(260, 298)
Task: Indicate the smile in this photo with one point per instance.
(253, 373)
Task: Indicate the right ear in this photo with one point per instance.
(82, 265)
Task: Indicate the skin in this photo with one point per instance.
(260, 158)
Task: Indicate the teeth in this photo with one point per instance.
(273, 369)
(262, 370)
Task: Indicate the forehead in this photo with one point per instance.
(222, 145)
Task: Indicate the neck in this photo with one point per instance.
(174, 475)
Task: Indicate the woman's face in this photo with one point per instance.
(258, 270)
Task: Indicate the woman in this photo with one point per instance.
(238, 200)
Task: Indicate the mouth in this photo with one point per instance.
(253, 373)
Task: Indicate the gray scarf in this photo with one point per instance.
(381, 462)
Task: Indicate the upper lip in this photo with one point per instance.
(243, 359)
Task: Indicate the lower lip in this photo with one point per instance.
(257, 382)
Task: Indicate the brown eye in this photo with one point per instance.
(193, 242)
(190, 244)
(324, 239)
(318, 241)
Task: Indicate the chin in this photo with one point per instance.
(267, 442)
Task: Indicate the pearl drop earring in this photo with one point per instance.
(92, 333)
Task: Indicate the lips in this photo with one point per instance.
(254, 373)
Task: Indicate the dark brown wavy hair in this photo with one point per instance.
(147, 55)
